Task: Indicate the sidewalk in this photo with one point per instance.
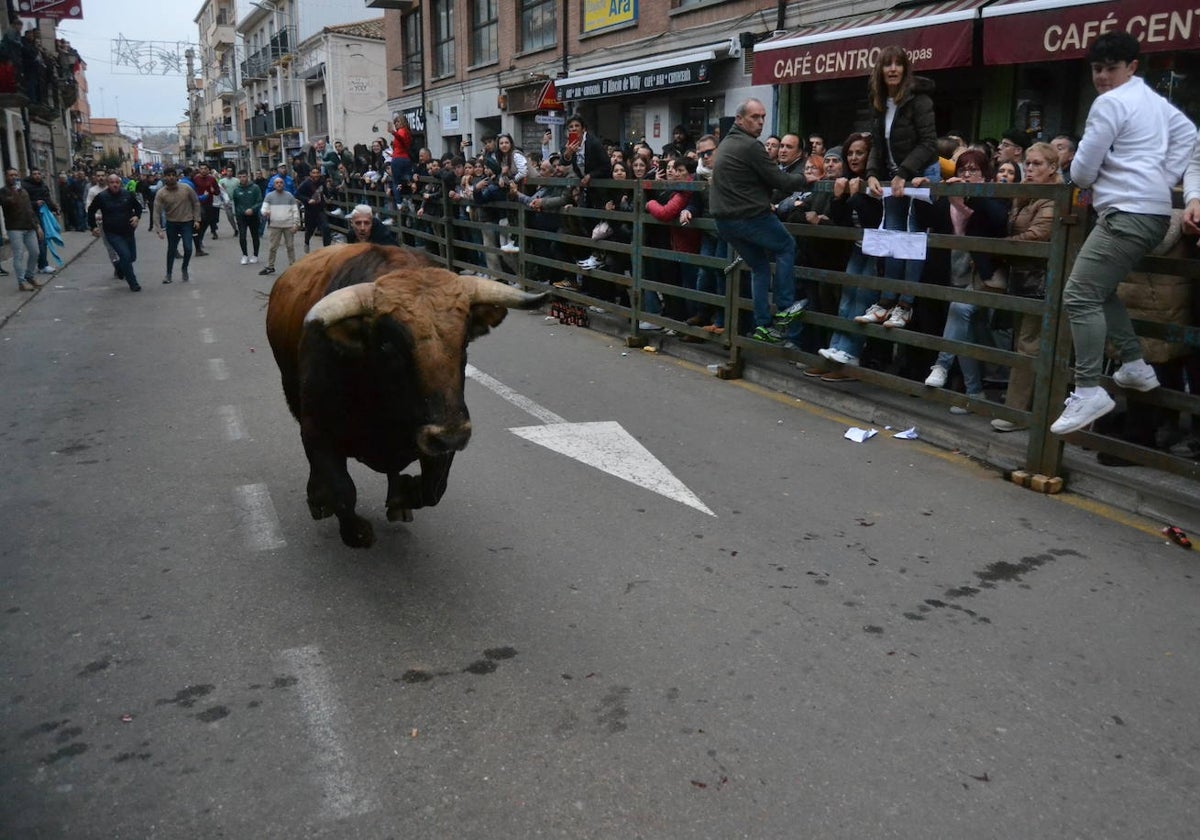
(12, 299)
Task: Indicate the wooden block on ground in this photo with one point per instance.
(1020, 477)
(1046, 484)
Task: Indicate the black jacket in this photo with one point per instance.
(39, 192)
(118, 209)
(914, 136)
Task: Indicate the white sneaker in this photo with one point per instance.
(590, 262)
(875, 314)
(646, 325)
(510, 248)
(937, 377)
(898, 317)
(245, 260)
(1002, 425)
(46, 270)
(1082, 411)
(839, 356)
(1138, 377)
(254, 259)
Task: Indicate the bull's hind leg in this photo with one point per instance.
(408, 492)
(333, 486)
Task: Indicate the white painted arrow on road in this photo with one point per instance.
(604, 445)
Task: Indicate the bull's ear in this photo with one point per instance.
(484, 316)
(348, 336)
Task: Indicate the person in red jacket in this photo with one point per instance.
(402, 168)
(683, 239)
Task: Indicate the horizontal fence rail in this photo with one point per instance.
(635, 274)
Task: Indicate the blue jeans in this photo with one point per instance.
(710, 279)
(758, 240)
(898, 215)
(964, 323)
(854, 302)
(175, 232)
(125, 247)
(25, 251)
(402, 172)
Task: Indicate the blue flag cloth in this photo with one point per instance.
(53, 233)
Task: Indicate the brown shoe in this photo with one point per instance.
(26, 286)
(714, 329)
(695, 321)
(838, 376)
(816, 372)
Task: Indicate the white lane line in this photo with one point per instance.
(256, 518)
(231, 420)
(207, 335)
(524, 403)
(217, 368)
(344, 795)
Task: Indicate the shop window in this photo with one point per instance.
(539, 24)
(410, 27)
(484, 26)
(443, 38)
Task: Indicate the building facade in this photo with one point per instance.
(271, 77)
(215, 95)
(634, 70)
(344, 83)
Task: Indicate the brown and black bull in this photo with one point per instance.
(371, 343)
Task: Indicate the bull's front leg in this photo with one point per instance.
(408, 492)
(331, 489)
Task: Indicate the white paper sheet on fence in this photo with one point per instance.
(894, 243)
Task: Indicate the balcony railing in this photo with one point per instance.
(287, 117)
(257, 66)
(226, 136)
(259, 126)
(283, 44)
(282, 118)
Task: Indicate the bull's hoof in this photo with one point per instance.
(357, 532)
(397, 513)
(320, 510)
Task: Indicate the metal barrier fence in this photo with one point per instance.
(465, 237)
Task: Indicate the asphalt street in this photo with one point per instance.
(652, 604)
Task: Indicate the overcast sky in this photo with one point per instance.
(152, 101)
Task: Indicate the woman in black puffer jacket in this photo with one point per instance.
(905, 149)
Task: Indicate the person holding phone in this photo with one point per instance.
(586, 156)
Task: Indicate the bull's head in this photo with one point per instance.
(411, 327)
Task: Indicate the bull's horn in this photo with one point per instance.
(500, 294)
(358, 299)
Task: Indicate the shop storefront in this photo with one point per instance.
(996, 65)
(822, 69)
(1048, 40)
(645, 100)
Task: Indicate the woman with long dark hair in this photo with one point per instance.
(852, 207)
(904, 149)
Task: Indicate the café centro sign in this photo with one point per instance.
(838, 55)
(1019, 32)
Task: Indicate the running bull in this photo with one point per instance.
(371, 343)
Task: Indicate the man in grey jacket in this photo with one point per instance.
(740, 203)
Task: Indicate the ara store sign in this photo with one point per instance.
(57, 9)
(637, 82)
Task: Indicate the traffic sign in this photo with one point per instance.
(549, 119)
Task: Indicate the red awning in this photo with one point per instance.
(936, 36)
(1019, 31)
